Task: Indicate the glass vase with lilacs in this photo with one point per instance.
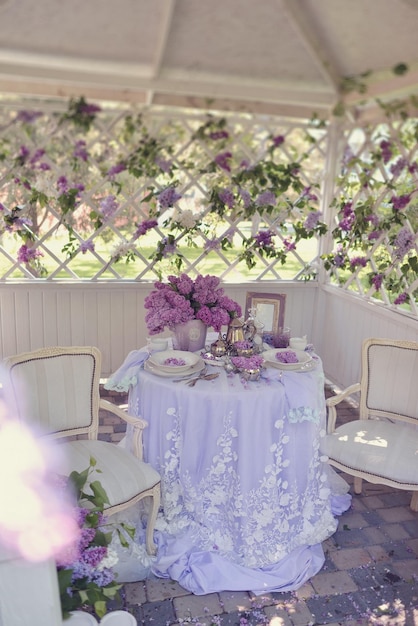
(182, 299)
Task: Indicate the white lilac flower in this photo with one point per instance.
(109, 560)
(186, 219)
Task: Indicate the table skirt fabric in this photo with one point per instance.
(246, 496)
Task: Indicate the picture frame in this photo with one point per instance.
(270, 309)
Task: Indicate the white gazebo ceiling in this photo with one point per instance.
(277, 56)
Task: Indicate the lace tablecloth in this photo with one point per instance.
(246, 497)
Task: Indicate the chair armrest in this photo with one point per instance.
(334, 400)
(137, 422)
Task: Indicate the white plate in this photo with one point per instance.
(270, 358)
(154, 369)
(159, 360)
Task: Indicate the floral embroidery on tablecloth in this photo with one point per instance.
(253, 528)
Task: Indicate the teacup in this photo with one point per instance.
(298, 343)
(157, 344)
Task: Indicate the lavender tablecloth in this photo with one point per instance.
(246, 497)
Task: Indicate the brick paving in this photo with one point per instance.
(369, 576)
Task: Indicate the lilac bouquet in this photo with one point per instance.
(85, 574)
(182, 299)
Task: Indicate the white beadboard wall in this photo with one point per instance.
(343, 321)
(110, 315)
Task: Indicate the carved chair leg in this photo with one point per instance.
(358, 482)
(414, 501)
(152, 516)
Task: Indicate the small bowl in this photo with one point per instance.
(251, 374)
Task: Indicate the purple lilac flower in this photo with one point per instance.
(266, 198)
(89, 109)
(400, 202)
(398, 167)
(80, 151)
(219, 134)
(278, 140)
(62, 185)
(2, 207)
(289, 244)
(44, 166)
(116, 169)
(222, 160)
(246, 197)
(375, 234)
(144, 227)
(348, 217)
(309, 195)
(36, 156)
(377, 281)
(403, 243)
(164, 165)
(245, 164)
(103, 577)
(403, 297)
(373, 219)
(386, 149)
(339, 259)
(168, 197)
(25, 254)
(108, 206)
(412, 168)
(168, 248)
(227, 197)
(27, 117)
(94, 555)
(264, 238)
(87, 245)
(23, 153)
(312, 220)
(358, 261)
(213, 244)
(19, 223)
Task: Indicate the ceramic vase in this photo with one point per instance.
(190, 336)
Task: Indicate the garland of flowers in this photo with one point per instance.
(90, 192)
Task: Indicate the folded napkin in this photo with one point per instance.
(126, 375)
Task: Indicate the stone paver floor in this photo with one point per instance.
(370, 575)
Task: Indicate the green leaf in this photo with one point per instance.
(400, 69)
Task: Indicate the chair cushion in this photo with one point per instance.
(380, 448)
(122, 475)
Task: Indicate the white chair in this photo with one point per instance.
(56, 390)
(382, 446)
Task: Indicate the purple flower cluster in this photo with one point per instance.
(168, 197)
(246, 197)
(222, 160)
(87, 245)
(386, 149)
(278, 140)
(181, 299)
(26, 255)
(219, 134)
(80, 151)
(377, 281)
(398, 167)
(312, 220)
(400, 202)
(264, 238)
(402, 298)
(227, 197)
(108, 206)
(116, 169)
(287, 356)
(248, 362)
(144, 227)
(348, 217)
(266, 198)
(403, 243)
(358, 261)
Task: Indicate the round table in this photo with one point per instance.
(246, 497)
